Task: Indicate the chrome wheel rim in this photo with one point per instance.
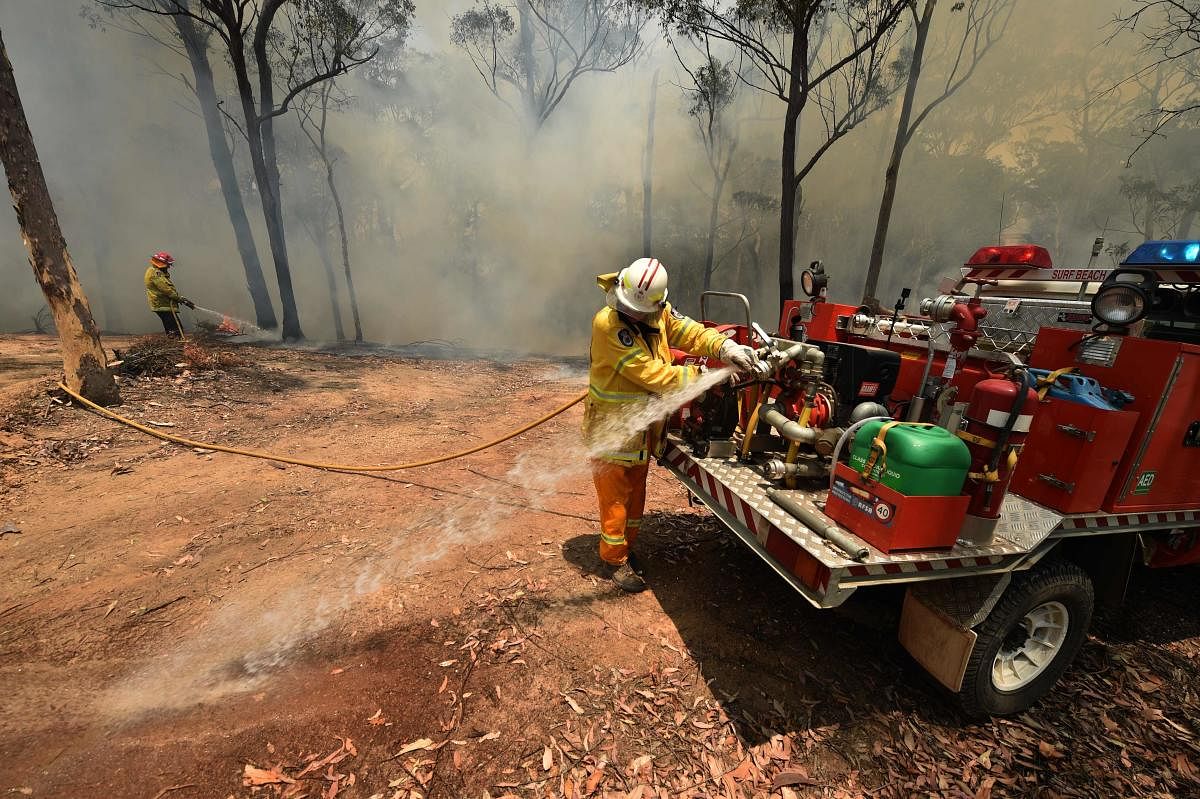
(1031, 646)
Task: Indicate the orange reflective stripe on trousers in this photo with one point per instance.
(621, 491)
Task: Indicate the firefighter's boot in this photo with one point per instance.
(627, 579)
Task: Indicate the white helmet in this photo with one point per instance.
(642, 286)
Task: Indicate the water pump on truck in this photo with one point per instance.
(1001, 441)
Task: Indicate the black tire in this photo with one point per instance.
(1062, 583)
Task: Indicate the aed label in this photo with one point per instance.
(1145, 482)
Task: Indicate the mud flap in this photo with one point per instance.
(939, 645)
(936, 622)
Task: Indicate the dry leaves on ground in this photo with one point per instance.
(318, 774)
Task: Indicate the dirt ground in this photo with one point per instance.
(177, 624)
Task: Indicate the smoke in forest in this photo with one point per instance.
(464, 227)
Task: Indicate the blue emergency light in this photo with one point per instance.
(1165, 253)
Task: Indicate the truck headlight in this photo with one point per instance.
(1119, 304)
(814, 280)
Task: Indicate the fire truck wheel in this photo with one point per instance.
(1028, 640)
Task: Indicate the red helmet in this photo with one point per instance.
(162, 258)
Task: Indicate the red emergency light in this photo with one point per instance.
(1030, 256)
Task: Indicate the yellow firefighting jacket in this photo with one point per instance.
(626, 368)
(160, 291)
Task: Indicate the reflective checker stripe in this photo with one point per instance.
(740, 491)
(1148, 521)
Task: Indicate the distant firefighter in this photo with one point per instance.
(161, 294)
(630, 356)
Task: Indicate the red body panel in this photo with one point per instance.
(1083, 463)
(820, 318)
(1176, 548)
(1176, 469)
(1157, 471)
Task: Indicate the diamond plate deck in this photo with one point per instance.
(1024, 524)
(966, 601)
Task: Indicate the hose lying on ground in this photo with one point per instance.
(332, 467)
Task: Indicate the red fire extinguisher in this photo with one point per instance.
(998, 419)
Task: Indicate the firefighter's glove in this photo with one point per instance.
(739, 356)
(187, 302)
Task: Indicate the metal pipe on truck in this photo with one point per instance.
(792, 430)
(830, 532)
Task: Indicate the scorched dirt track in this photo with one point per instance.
(178, 624)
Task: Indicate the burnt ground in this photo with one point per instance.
(187, 624)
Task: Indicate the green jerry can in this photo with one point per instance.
(920, 461)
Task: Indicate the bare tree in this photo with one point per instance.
(314, 218)
(831, 58)
(85, 366)
(535, 58)
(314, 118)
(752, 211)
(1170, 31)
(1183, 229)
(985, 23)
(299, 44)
(43, 321)
(710, 94)
(1155, 211)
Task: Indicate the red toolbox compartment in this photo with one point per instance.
(1072, 454)
(1160, 468)
(891, 521)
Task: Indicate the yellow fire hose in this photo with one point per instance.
(332, 467)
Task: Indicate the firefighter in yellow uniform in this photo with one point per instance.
(161, 295)
(630, 360)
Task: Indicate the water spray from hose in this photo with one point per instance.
(619, 428)
(242, 324)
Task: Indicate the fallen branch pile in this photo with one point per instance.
(163, 356)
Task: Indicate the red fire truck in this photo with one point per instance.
(1065, 402)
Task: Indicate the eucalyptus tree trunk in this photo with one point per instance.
(85, 367)
(341, 218)
(788, 207)
(222, 158)
(320, 143)
(319, 233)
(892, 174)
(720, 175)
(648, 171)
(268, 193)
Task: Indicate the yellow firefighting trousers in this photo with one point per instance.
(622, 494)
